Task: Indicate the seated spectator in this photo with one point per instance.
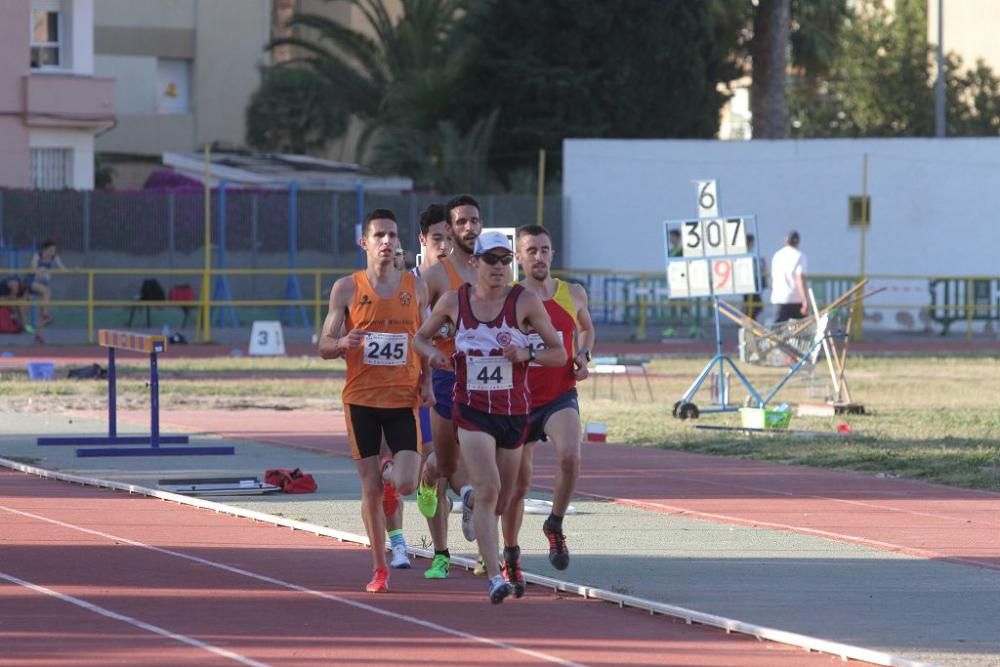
(12, 288)
(38, 282)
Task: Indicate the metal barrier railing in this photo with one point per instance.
(635, 299)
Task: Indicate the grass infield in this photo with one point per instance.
(932, 419)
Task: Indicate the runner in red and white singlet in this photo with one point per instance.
(491, 319)
(485, 380)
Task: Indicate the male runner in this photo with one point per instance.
(491, 319)
(462, 215)
(555, 412)
(380, 308)
(435, 243)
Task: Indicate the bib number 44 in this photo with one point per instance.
(489, 373)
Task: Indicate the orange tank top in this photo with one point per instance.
(385, 371)
(447, 343)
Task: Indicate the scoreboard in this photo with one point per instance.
(714, 260)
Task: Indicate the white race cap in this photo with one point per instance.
(489, 240)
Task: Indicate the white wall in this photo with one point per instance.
(935, 202)
(135, 82)
(82, 39)
(81, 142)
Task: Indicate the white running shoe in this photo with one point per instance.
(400, 559)
(468, 528)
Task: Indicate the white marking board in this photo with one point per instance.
(267, 338)
(708, 199)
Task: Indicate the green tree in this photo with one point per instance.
(446, 159)
(973, 100)
(395, 76)
(563, 68)
(882, 83)
(293, 111)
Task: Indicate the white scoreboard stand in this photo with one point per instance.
(715, 259)
(715, 262)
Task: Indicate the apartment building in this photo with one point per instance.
(968, 30)
(51, 103)
(183, 70)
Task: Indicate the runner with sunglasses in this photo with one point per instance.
(491, 319)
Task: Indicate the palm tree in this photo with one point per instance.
(397, 79)
(769, 51)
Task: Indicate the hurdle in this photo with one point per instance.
(143, 344)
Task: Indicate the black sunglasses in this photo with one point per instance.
(492, 259)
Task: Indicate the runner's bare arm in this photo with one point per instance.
(445, 312)
(341, 295)
(436, 279)
(426, 385)
(534, 316)
(586, 335)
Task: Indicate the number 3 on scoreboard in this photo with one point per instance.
(691, 239)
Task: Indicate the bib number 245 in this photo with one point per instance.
(385, 349)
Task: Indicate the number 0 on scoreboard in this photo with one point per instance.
(715, 258)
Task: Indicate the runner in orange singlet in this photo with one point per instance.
(380, 308)
(449, 274)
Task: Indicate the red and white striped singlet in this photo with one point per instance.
(484, 379)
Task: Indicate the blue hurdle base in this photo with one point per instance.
(112, 440)
(158, 451)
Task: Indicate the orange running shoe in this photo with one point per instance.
(379, 582)
(390, 497)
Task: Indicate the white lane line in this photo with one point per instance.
(793, 528)
(845, 651)
(845, 501)
(302, 589)
(142, 625)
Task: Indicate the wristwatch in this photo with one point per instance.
(585, 352)
(531, 353)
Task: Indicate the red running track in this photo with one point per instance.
(914, 518)
(97, 577)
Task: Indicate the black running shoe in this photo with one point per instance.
(512, 572)
(558, 551)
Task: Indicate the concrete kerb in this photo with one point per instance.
(689, 616)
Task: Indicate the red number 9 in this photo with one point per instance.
(723, 271)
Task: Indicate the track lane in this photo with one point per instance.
(285, 597)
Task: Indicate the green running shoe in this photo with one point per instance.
(427, 500)
(480, 569)
(439, 567)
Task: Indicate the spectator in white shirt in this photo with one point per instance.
(788, 280)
